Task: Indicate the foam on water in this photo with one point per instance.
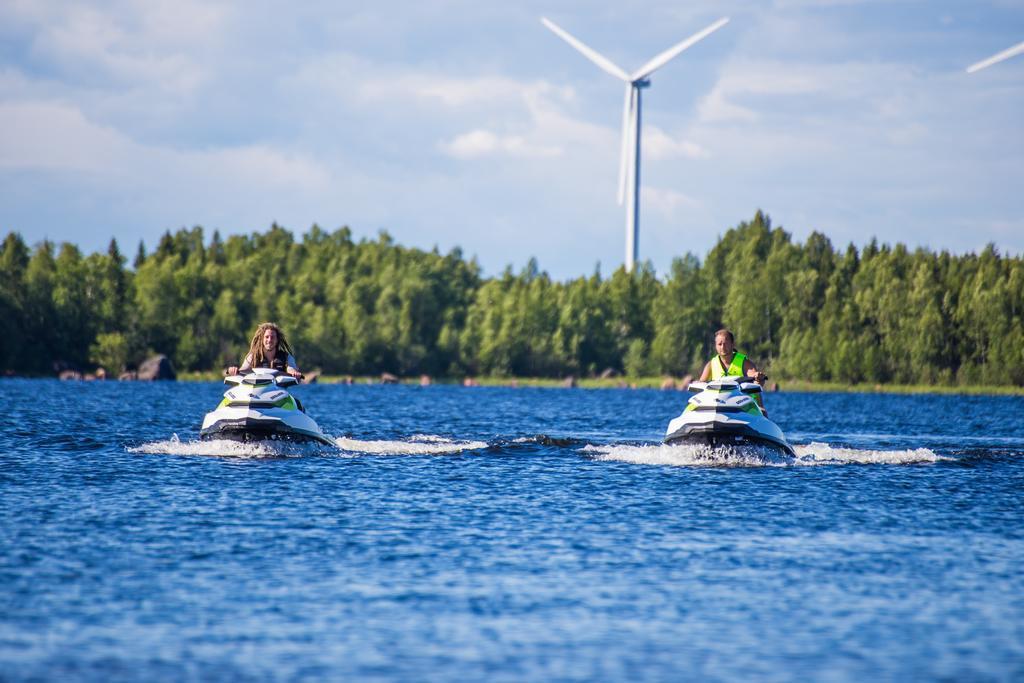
(824, 454)
(690, 455)
(420, 444)
(224, 448)
(535, 558)
(694, 455)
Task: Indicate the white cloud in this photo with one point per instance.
(246, 113)
(59, 137)
(781, 78)
(450, 92)
(741, 80)
(665, 202)
(155, 44)
(54, 136)
(770, 93)
(821, 4)
(363, 83)
(256, 166)
(481, 143)
(524, 118)
(460, 93)
(715, 108)
(659, 146)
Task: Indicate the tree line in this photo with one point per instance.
(874, 314)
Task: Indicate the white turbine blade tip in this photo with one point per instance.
(995, 59)
(669, 54)
(593, 55)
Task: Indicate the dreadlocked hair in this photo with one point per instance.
(256, 345)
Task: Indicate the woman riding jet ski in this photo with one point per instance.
(257, 407)
(728, 410)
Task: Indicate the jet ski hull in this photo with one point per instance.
(724, 413)
(723, 433)
(247, 429)
(257, 408)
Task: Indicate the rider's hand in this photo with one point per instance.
(233, 370)
(295, 373)
(760, 377)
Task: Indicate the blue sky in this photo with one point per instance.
(469, 124)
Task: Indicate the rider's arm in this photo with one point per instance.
(292, 367)
(246, 366)
(750, 370)
(706, 375)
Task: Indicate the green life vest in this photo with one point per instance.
(735, 367)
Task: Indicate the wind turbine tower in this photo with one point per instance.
(629, 166)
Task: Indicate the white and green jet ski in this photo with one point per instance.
(724, 412)
(257, 408)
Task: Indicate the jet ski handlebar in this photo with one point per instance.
(281, 379)
(748, 385)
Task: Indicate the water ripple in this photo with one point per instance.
(479, 534)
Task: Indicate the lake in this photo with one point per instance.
(507, 534)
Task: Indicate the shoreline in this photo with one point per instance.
(659, 383)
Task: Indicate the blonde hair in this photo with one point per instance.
(256, 354)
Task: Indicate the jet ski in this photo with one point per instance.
(257, 407)
(724, 412)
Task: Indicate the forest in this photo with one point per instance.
(877, 313)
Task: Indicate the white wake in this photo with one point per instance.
(225, 448)
(823, 454)
(813, 454)
(420, 444)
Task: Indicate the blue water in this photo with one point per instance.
(446, 539)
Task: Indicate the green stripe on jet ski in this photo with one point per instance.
(288, 403)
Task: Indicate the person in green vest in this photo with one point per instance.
(731, 363)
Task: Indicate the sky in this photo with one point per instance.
(468, 124)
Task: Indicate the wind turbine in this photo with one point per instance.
(629, 173)
(995, 59)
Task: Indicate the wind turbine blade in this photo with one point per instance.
(591, 54)
(633, 181)
(995, 59)
(634, 132)
(627, 110)
(660, 61)
(629, 132)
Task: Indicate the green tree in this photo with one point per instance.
(14, 259)
(40, 315)
(110, 351)
(680, 313)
